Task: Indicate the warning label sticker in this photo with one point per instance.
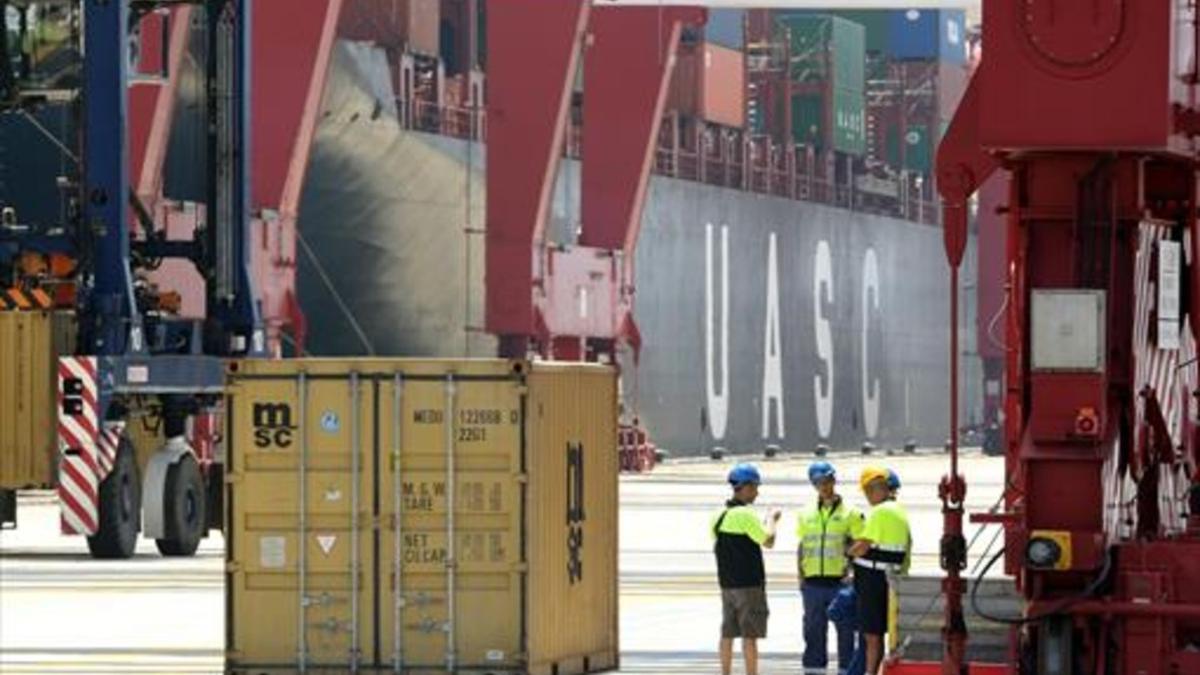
(326, 542)
(272, 552)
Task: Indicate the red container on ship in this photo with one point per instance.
(709, 84)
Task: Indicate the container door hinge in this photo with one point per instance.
(332, 625)
(322, 600)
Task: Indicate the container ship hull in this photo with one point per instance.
(765, 321)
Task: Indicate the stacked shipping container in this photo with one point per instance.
(859, 93)
(825, 79)
(708, 83)
(922, 75)
(725, 27)
(878, 84)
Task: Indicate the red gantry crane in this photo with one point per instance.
(1092, 108)
(1091, 105)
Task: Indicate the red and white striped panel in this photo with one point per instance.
(1154, 367)
(1187, 371)
(108, 442)
(1157, 368)
(79, 472)
(1188, 378)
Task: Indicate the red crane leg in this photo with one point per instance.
(532, 57)
(627, 69)
(162, 44)
(629, 59)
(152, 100)
(293, 42)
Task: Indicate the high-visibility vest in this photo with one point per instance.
(738, 536)
(824, 534)
(891, 539)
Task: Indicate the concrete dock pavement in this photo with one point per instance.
(61, 612)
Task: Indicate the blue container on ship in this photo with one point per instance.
(928, 35)
(725, 27)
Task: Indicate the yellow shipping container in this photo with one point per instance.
(342, 551)
(30, 344)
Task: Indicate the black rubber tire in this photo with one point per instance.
(184, 519)
(120, 507)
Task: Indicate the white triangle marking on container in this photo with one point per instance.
(326, 542)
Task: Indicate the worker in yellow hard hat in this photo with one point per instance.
(880, 552)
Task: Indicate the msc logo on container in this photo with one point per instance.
(272, 425)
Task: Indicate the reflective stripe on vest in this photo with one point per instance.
(874, 565)
(823, 544)
(892, 553)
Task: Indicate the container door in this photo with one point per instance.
(300, 583)
(573, 474)
(27, 399)
(452, 579)
(8, 399)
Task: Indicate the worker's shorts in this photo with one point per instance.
(744, 612)
(871, 587)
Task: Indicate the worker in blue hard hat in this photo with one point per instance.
(825, 531)
(739, 537)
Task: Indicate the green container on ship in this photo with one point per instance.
(824, 48)
(918, 147)
(918, 150)
(875, 27)
(874, 22)
(848, 130)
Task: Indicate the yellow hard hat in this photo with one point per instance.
(872, 474)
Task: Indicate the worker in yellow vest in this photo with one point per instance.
(825, 531)
(881, 551)
(893, 636)
(738, 540)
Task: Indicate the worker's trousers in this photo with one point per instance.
(816, 630)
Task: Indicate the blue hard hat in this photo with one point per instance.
(819, 472)
(744, 473)
(893, 481)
